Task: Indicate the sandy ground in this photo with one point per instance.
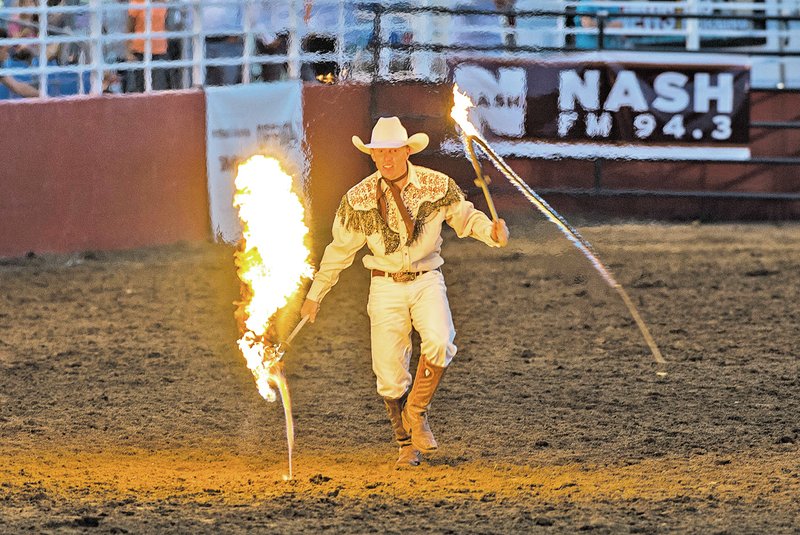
(126, 408)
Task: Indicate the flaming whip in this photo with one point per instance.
(460, 113)
(272, 263)
(481, 180)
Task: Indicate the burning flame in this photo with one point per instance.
(271, 264)
(460, 112)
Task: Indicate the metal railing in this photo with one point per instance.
(101, 39)
(599, 189)
(768, 33)
(88, 43)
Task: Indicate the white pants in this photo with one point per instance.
(394, 308)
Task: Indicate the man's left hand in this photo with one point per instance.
(500, 232)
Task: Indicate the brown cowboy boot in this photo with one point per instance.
(415, 413)
(408, 456)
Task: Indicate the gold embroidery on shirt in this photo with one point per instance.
(359, 212)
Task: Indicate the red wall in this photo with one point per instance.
(121, 172)
(102, 173)
(332, 115)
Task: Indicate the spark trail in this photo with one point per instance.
(460, 113)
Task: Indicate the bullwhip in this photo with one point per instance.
(472, 137)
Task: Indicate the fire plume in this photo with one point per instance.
(272, 263)
(462, 104)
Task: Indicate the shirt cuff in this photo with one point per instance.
(317, 292)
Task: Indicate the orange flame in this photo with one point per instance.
(460, 112)
(272, 262)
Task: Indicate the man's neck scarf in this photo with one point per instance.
(398, 200)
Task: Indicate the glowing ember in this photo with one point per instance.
(271, 264)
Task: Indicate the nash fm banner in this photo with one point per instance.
(242, 121)
(611, 105)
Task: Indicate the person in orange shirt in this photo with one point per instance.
(137, 22)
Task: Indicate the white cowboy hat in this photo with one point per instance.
(389, 133)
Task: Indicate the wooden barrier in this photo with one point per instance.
(116, 172)
(109, 172)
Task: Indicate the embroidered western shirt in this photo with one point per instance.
(430, 196)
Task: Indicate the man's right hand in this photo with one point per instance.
(310, 309)
(500, 232)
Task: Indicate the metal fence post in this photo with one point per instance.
(692, 26)
(198, 46)
(42, 35)
(98, 60)
(249, 39)
(601, 29)
(147, 57)
(377, 42)
(293, 48)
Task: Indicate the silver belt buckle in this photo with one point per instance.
(404, 276)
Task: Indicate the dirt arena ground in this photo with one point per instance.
(126, 408)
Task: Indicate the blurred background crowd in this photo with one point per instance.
(64, 47)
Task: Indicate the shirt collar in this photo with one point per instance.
(413, 179)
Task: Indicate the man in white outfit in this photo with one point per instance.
(398, 213)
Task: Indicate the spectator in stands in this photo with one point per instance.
(316, 23)
(223, 25)
(587, 17)
(320, 19)
(510, 22)
(177, 47)
(61, 23)
(273, 45)
(20, 23)
(137, 23)
(15, 86)
(26, 25)
(486, 30)
(115, 21)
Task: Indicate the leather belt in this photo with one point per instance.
(400, 276)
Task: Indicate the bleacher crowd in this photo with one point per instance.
(152, 45)
(66, 47)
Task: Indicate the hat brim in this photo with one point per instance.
(416, 143)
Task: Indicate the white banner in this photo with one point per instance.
(242, 121)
